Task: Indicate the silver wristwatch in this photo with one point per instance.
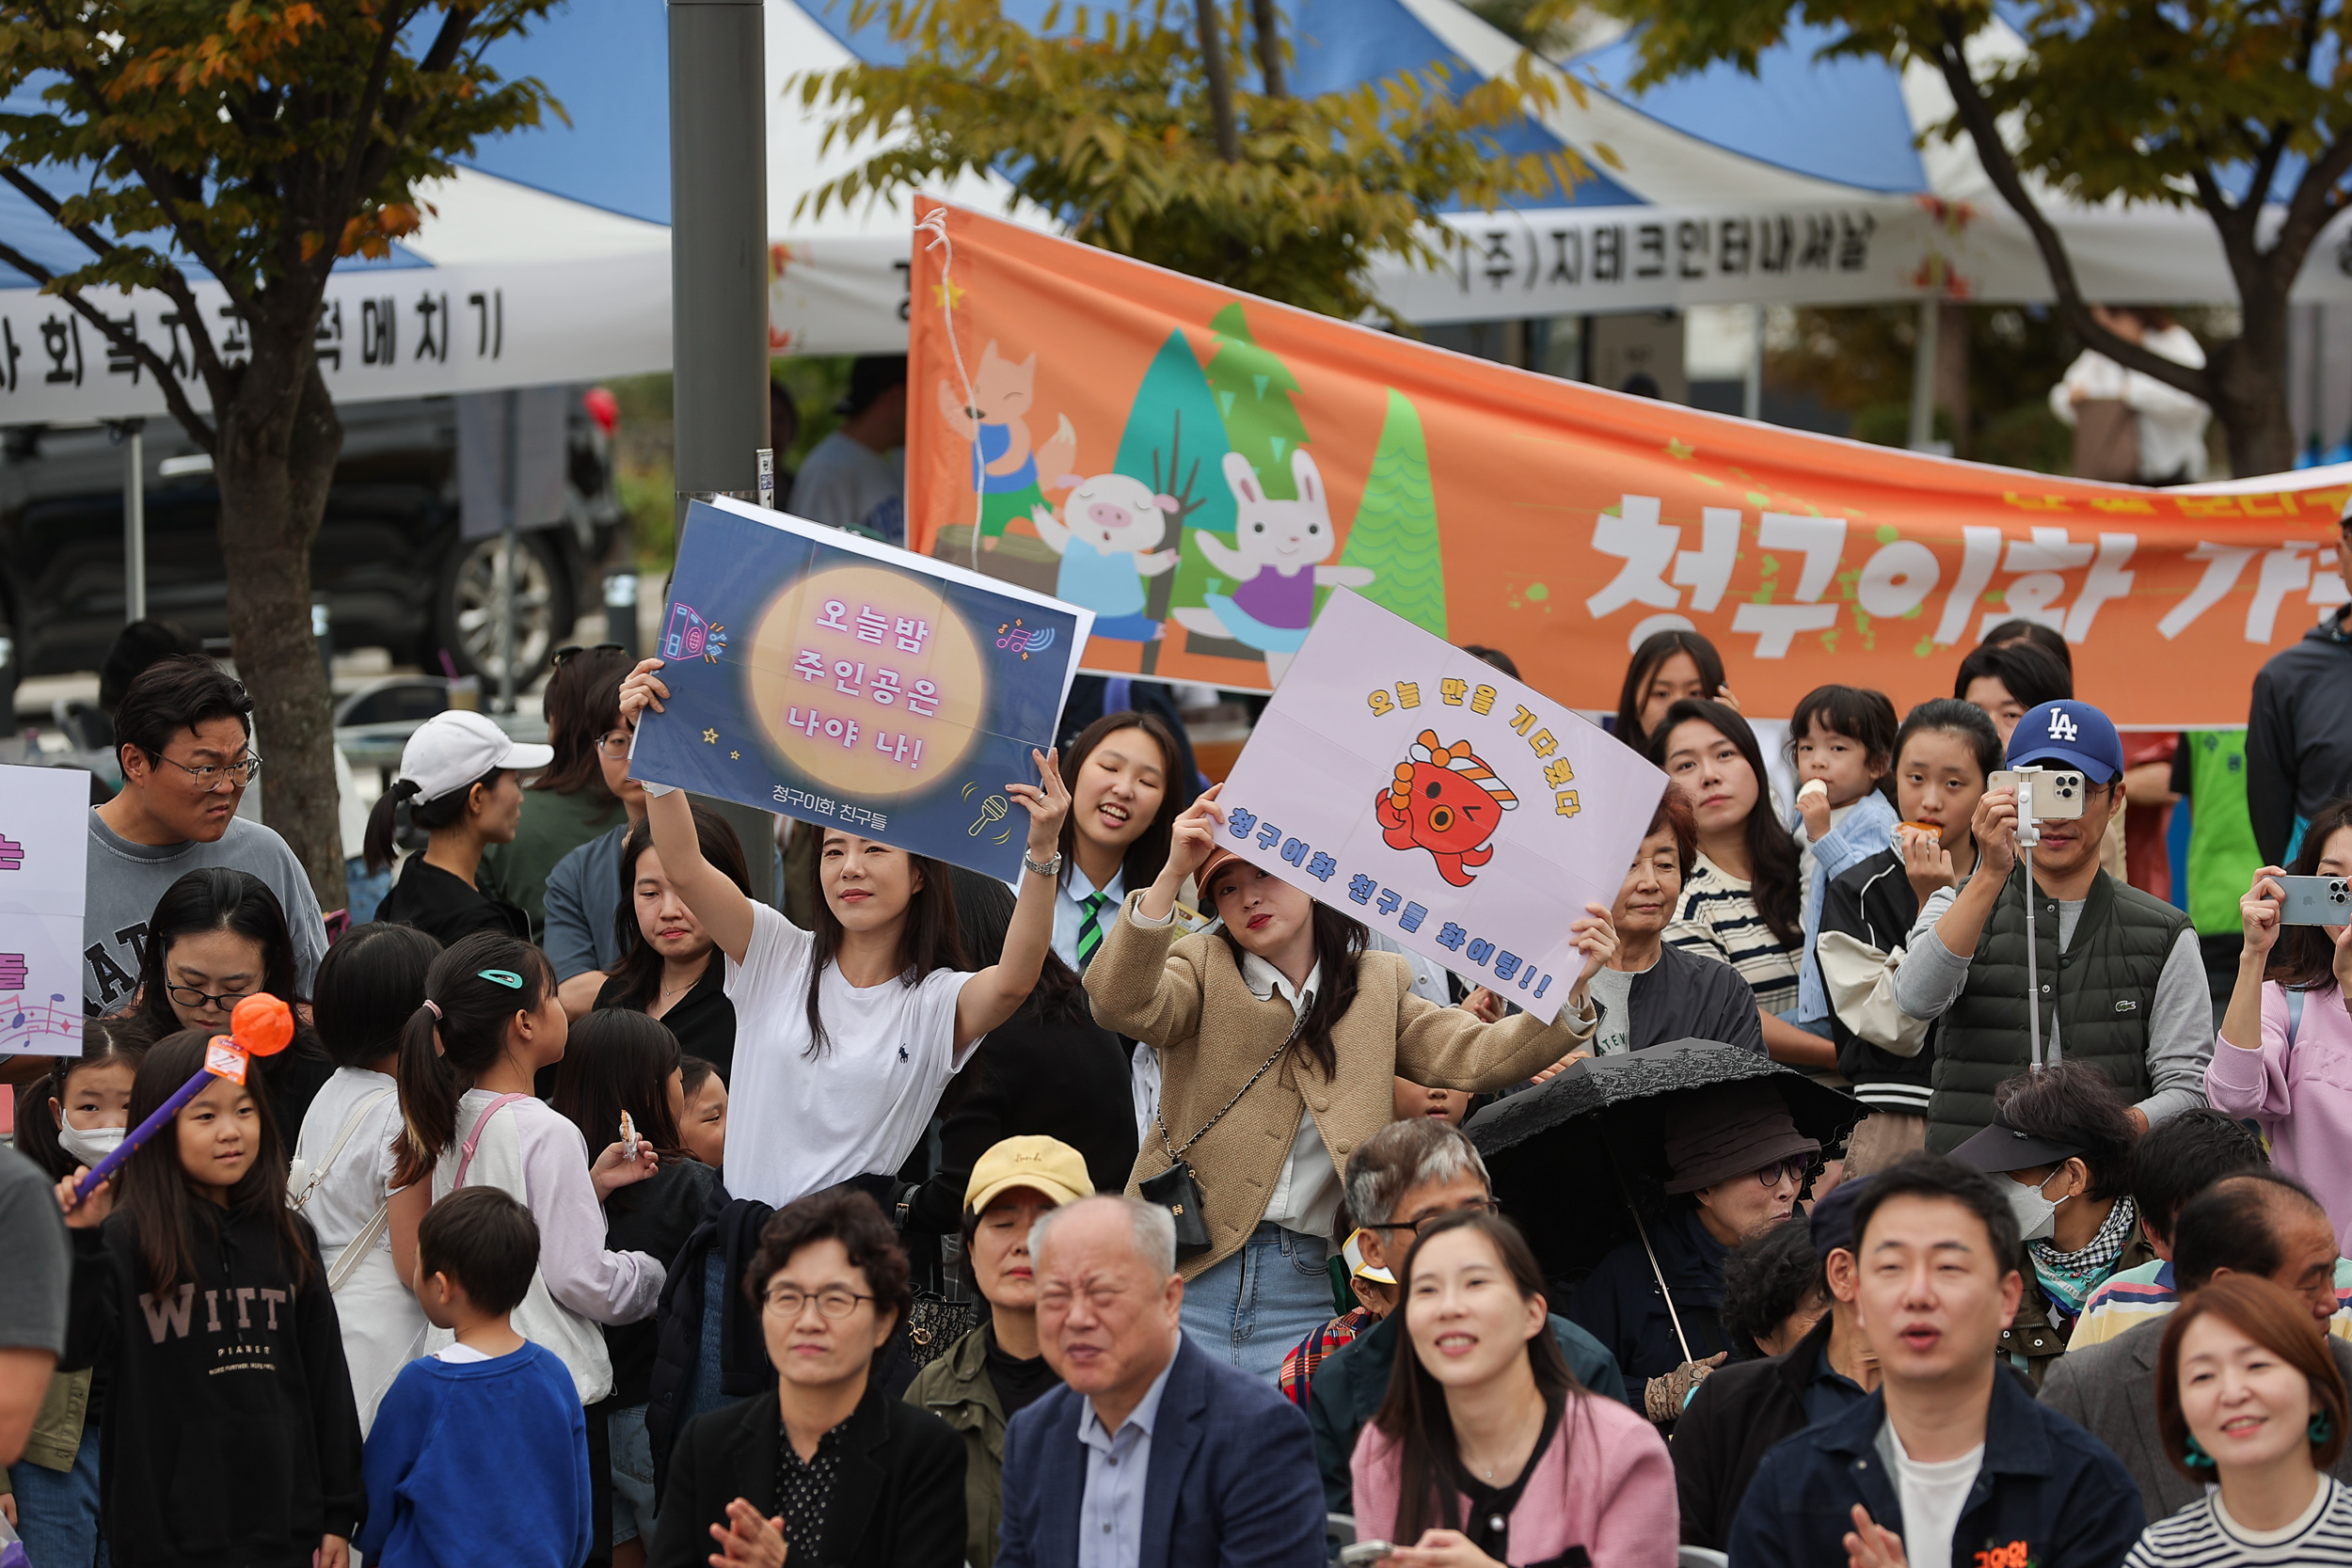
(1051, 868)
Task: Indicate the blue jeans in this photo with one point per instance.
(633, 1475)
(56, 1510)
(1252, 1308)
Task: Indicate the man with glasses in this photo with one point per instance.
(184, 731)
(1736, 1162)
(2299, 729)
(1402, 1176)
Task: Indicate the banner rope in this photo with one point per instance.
(936, 226)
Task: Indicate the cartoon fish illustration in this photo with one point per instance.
(1446, 800)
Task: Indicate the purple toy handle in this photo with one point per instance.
(145, 1131)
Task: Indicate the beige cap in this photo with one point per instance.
(1044, 1164)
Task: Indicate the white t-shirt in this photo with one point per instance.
(845, 483)
(800, 1122)
(1933, 1497)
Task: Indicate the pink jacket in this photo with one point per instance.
(2300, 1096)
(1604, 1483)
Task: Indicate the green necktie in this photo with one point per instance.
(1090, 927)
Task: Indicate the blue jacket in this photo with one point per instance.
(1231, 1482)
(2049, 1493)
(444, 1430)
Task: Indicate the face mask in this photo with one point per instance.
(90, 1146)
(2037, 1215)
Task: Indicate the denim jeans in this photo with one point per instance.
(1252, 1308)
(633, 1475)
(56, 1510)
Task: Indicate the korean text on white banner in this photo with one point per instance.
(1421, 791)
(44, 847)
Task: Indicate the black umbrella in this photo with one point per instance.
(1576, 1160)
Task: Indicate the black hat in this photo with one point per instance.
(2002, 1148)
(869, 378)
(1833, 1216)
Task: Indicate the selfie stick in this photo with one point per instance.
(261, 1027)
(2027, 836)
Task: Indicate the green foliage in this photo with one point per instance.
(1108, 124)
(1175, 442)
(1395, 532)
(1253, 391)
(258, 140)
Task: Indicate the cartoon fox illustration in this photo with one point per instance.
(1446, 800)
(1004, 465)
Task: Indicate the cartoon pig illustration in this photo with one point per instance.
(1276, 561)
(1444, 800)
(1108, 538)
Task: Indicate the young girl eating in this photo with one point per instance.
(1842, 744)
(1281, 1038)
(231, 1435)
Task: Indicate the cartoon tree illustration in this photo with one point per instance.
(1175, 442)
(1395, 532)
(1253, 391)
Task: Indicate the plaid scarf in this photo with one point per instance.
(2068, 1277)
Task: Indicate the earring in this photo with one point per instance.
(2322, 1428)
(2198, 1459)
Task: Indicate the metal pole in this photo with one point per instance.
(134, 521)
(718, 243)
(1923, 374)
(1752, 395)
(506, 555)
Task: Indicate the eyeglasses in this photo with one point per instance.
(786, 1303)
(555, 660)
(188, 996)
(616, 744)
(1793, 1168)
(1488, 1206)
(244, 770)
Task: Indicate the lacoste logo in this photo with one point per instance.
(2126, 1006)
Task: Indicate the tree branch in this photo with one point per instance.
(1220, 82)
(32, 193)
(175, 396)
(2316, 202)
(1975, 116)
(1269, 30)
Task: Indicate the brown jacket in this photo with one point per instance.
(1170, 993)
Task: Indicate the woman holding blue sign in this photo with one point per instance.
(846, 1036)
(1281, 1038)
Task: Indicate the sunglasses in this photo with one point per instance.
(555, 660)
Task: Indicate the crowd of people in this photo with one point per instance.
(652, 1181)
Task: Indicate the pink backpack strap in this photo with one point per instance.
(465, 1159)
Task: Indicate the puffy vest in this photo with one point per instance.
(2102, 992)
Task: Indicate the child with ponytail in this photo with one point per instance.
(231, 1436)
(490, 1021)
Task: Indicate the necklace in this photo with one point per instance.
(1486, 1472)
(683, 985)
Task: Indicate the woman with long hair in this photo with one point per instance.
(368, 985)
(569, 802)
(1743, 901)
(622, 1064)
(1486, 1450)
(464, 776)
(230, 1427)
(1280, 1039)
(2252, 1404)
(217, 936)
(1667, 667)
(847, 1035)
(670, 969)
(2284, 1053)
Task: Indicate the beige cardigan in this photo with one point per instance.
(1168, 993)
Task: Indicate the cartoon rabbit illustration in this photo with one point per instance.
(1274, 561)
(1004, 467)
(1108, 538)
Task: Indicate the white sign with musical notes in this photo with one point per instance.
(44, 859)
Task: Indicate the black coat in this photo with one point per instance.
(1619, 1302)
(898, 1500)
(1684, 996)
(1875, 903)
(442, 906)
(1736, 1417)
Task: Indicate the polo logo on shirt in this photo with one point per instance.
(902, 1053)
(2015, 1555)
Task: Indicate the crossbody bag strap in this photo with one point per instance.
(1297, 1024)
(360, 1245)
(357, 1115)
(465, 1159)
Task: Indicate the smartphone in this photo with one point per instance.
(1367, 1551)
(2316, 901)
(2058, 795)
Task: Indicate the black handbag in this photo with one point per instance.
(1174, 1188)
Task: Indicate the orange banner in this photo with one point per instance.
(1202, 468)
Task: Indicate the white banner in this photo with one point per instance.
(43, 868)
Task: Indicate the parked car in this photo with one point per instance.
(388, 561)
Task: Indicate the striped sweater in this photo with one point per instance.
(2202, 1535)
(1717, 918)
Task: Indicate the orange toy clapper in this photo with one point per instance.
(261, 1025)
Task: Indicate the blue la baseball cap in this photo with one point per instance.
(2070, 732)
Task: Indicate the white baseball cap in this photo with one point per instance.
(451, 751)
